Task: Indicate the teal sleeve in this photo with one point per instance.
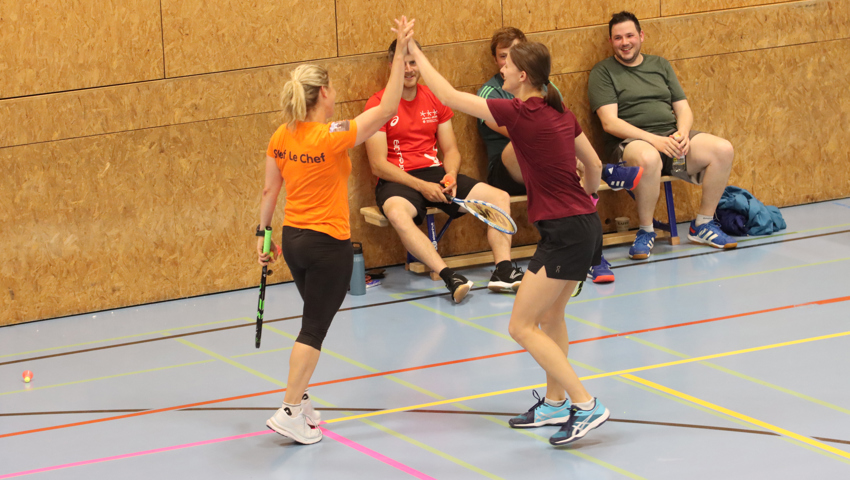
(600, 88)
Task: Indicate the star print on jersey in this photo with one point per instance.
(429, 116)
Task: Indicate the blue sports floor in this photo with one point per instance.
(714, 364)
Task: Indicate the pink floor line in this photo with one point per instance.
(136, 454)
(375, 455)
(328, 433)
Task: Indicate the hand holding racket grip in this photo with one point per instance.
(267, 241)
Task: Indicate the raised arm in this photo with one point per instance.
(371, 120)
(465, 102)
(592, 165)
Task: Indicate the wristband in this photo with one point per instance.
(260, 232)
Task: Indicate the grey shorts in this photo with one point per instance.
(666, 161)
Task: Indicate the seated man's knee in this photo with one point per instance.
(398, 211)
(725, 152)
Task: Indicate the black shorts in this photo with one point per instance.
(500, 178)
(568, 247)
(385, 190)
(321, 267)
(666, 160)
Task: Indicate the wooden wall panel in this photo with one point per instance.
(157, 184)
(217, 35)
(546, 15)
(173, 101)
(364, 27)
(83, 226)
(742, 30)
(679, 7)
(219, 168)
(80, 44)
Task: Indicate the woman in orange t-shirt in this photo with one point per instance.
(310, 156)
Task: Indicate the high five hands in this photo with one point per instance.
(404, 32)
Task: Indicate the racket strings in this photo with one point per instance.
(492, 215)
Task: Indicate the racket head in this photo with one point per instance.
(490, 214)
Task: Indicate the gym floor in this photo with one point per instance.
(714, 364)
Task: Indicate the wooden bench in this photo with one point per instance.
(373, 216)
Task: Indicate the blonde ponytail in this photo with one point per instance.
(301, 93)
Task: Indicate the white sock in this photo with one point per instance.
(703, 219)
(647, 228)
(295, 409)
(554, 403)
(588, 405)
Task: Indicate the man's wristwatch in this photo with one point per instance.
(260, 232)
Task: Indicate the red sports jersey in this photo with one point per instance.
(412, 133)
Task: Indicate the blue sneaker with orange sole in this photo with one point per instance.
(710, 234)
(601, 273)
(619, 176)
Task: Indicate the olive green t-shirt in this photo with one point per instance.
(644, 94)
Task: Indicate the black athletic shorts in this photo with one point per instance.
(321, 267)
(500, 178)
(568, 247)
(384, 190)
(666, 160)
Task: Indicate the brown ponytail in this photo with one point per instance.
(533, 58)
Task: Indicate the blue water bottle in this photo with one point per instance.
(358, 273)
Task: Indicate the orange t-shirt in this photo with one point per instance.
(313, 161)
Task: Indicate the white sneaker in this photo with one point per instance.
(299, 428)
(309, 410)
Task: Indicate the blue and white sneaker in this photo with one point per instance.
(642, 246)
(619, 176)
(542, 414)
(710, 234)
(580, 422)
(601, 273)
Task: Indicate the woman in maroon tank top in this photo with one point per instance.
(547, 139)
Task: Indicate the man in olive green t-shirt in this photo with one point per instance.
(647, 122)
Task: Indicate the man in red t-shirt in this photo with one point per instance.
(411, 178)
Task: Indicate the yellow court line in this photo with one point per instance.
(690, 284)
(325, 403)
(714, 366)
(589, 377)
(136, 335)
(107, 377)
(743, 240)
(754, 421)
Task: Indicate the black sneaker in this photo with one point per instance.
(459, 286)
(506, 280)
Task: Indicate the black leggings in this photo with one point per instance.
(321, 266)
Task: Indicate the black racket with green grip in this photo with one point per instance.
(261, 304)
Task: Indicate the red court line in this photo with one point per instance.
(421, 367)
(768, 310)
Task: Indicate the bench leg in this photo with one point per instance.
(431, 231)
(671, 213)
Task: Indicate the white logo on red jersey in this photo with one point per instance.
(429, 116)
(394, 121)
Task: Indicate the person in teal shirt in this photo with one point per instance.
(502, 167)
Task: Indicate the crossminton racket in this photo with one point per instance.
(487, 213)
(261, 305)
